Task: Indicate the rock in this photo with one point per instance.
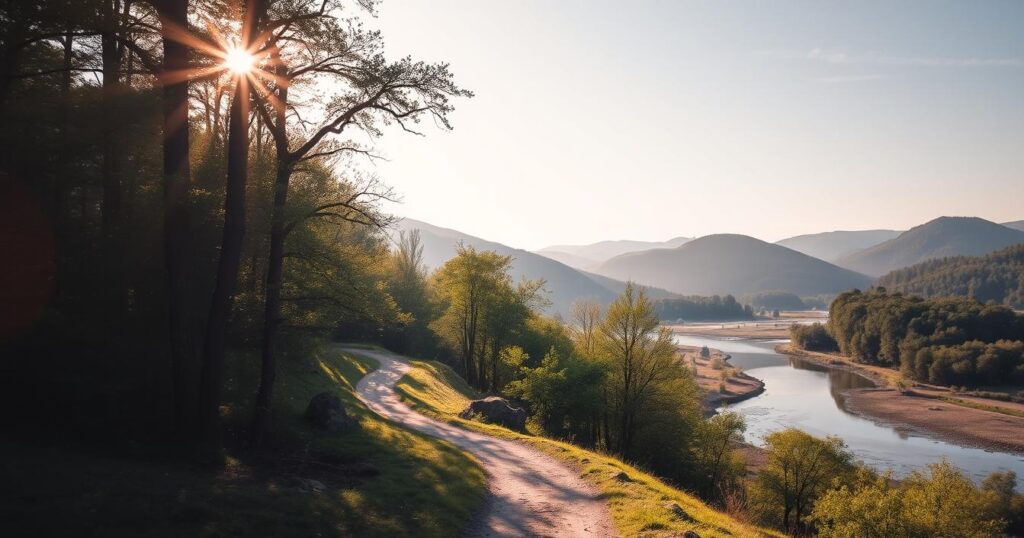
(691, 534)
(677, 511)
(325, 412)
(621, 476)
(497, 410)
(308, 484)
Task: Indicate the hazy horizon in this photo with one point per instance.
(768, 120)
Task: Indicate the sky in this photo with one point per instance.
(646, 120)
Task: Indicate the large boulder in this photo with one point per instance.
(325, 412)
(497, 410)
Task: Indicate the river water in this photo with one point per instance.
(809, 396)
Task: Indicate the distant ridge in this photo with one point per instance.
(565, 283)
(732, 264)
(589, 257)
(1016, 225)
(830, 246)
(939, 238)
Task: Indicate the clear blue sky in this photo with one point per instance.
(646, 120)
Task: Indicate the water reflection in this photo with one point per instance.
(809, 396)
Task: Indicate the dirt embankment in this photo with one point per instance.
(928, 410)
(722, 382)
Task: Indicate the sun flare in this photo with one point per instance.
(239, 60)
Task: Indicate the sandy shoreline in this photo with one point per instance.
(924, 412)
(738, 387)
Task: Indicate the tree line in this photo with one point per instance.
(944, 341)
(995, 277)
(171, 214)
(703, 308)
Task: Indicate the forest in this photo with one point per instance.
(995, 277)
(703, 308)
(953, 341)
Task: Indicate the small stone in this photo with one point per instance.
(621, 476)
(308, 484)
(677, 511)
(691, 534)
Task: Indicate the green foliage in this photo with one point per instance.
(701, 308)
(800, 469)
(945, 341)
(939, 502)
(718, 467)
(564, 395)
(997, 277)
(813, 337)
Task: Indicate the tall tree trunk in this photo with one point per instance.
(230, 260)
(275, 265)
(227, 266)
(111, 53)
(272, 308)
(177, 218)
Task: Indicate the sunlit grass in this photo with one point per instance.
(637, 506)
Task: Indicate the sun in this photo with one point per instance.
(239, 61)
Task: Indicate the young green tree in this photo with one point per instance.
(641, 364)
(801, 468)
(717, 468)
(939, 502)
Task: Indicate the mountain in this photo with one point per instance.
(590, 256)
(728, 263)
(565, 284)
(831, 246)
(942, 237)
(1016, 225)
(997, 276)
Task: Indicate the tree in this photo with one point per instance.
(585, 316)
(939, 502)
(308, 42)
(800, 469)
(718, 470)
(466, 286)
(640, 360)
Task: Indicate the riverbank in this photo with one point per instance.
(759, 329)
(930, 411)
(722, 382)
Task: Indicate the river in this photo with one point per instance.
(809, 396)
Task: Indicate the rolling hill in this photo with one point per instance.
(997, 276)
(565, 284)
(1016, 225)
(939, 238)
(589, 257)
(736, 264)
(830, 246)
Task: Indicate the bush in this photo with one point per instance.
(812, 337)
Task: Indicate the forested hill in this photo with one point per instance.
(736, 264)
(939, 238)
(830, 246)
(997, 276)
(565, 284)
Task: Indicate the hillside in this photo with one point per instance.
(565, 284)
(1016, 225)
(736, 264)
(939, 238)
(830, 246)
(310, 483)
(997, 276)
(589, 257)
(638, 505)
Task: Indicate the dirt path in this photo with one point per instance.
(531, 493)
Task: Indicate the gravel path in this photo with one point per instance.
(531, 493)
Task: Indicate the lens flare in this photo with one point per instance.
(239, 60)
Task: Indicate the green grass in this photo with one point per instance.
(984, 407)
(381, 480)
(637, 506)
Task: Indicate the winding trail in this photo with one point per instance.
(531, 493)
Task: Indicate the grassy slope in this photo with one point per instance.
(637, 506)
(381, 480)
